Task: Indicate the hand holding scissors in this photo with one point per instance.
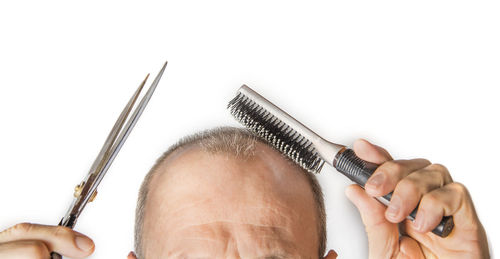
(38, 241)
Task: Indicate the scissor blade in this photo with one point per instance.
(86, 189)
(108, 152)
(116, 129)
(127, 129)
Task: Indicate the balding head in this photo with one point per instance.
(222, 193)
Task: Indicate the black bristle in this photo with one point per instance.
(275, 132)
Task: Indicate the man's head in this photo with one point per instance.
(223, 193)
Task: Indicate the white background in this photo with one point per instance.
(420, 78)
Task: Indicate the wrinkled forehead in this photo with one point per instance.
(193, 172)
(209, 201)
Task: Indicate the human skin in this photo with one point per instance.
(204, 205)
(413, 180)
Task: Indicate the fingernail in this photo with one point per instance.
(394, 207)
(376, 180)
(419, 222)
(84, 243)
(331, 252)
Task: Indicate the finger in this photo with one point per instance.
(24, 249)
(410, 248)
(370, 152)
(386, 176)
(452, 199)
(382, 234)
(331, 255)
(58, 239)
(412, 188)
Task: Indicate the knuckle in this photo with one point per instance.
(20, 229)
(61, 231)
(408, 185)
(430, 199)
(438, 167)
(460, 188)
(444, 176)
(425, 161)
(395, 166)
(392, 168)
(440, 171)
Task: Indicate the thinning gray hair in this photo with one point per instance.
(239, 143)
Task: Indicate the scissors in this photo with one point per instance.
(86, 191)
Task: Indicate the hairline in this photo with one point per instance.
(218, 134)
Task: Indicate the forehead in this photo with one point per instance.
(207, 204)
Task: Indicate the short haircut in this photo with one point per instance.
(235, 141)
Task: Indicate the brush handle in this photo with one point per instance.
(359, 171)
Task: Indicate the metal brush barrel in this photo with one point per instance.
(359, 171)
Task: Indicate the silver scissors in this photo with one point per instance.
(86, 191)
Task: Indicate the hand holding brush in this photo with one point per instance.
(417, 190)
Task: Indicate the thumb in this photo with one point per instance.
(370, 152)
(58, 239)
(383, 236)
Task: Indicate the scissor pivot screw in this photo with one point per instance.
(78, 190)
